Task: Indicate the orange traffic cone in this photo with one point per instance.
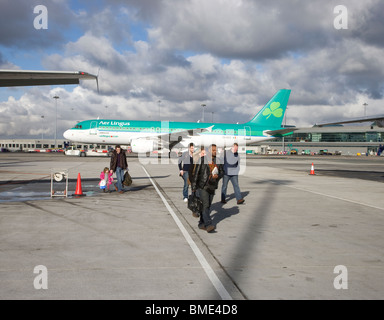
(79, 191)
(312, 170)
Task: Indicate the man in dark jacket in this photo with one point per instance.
(205, 180)
(118, 164)
(185, 163)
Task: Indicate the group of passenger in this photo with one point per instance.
(203, 171)
(118, 164)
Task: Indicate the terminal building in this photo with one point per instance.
(43, 145)
(344, 140)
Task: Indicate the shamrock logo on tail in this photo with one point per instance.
(274, 109)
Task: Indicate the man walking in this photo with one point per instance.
(185, 163)
(205, 180)
(231, 173)
(118, 164)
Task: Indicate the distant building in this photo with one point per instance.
(31, 145)
(346, 140)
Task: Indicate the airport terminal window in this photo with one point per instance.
(356, 137)
(333, 137)
(371, 137)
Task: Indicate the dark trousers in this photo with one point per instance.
(206, 198)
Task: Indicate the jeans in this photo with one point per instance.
(235, 184)
(206, 198)
(120, 178)
(186, 185)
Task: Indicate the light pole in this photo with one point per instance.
(106, 112)
(56, 97)
(285, 125)
(365, 108)
(42, 127)
(159, 102)
(203, 105)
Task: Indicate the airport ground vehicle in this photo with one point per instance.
(73, 151)
(325, 152)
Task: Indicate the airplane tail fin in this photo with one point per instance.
(272, 114)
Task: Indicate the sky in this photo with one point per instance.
(163, 59)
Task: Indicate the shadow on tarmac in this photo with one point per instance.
(223, 211)
(248, 239)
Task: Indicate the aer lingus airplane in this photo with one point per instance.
(146, 136)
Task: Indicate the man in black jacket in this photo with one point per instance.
(205, 180)
(118, 164)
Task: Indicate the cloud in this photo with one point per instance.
(230, 55)
(17, 28)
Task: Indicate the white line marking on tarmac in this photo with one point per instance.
(338, 198)
(330, 196)
(204, 263)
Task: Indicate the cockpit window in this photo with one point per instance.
(78, 126)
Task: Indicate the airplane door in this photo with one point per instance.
(93, 129)
(247, 133)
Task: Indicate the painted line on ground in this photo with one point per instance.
(328, 195)
(204, 263)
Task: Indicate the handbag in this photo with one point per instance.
(194, 203)
(127, 179)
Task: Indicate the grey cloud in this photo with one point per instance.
(369, 24)
(239, 55)
(17, 24)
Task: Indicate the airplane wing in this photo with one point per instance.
(378, 118)
(12, 78)
(280, 132)
(175, 137)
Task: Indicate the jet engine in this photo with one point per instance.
(142, 146)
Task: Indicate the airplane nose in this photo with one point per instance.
(67, 134)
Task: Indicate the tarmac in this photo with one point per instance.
(297, 236)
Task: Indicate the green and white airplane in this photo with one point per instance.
(147, 136)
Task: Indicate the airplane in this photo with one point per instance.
(13, 78)
(144, 136)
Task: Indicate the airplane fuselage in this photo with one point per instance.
(103, 131)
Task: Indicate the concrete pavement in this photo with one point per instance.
(283, 243)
